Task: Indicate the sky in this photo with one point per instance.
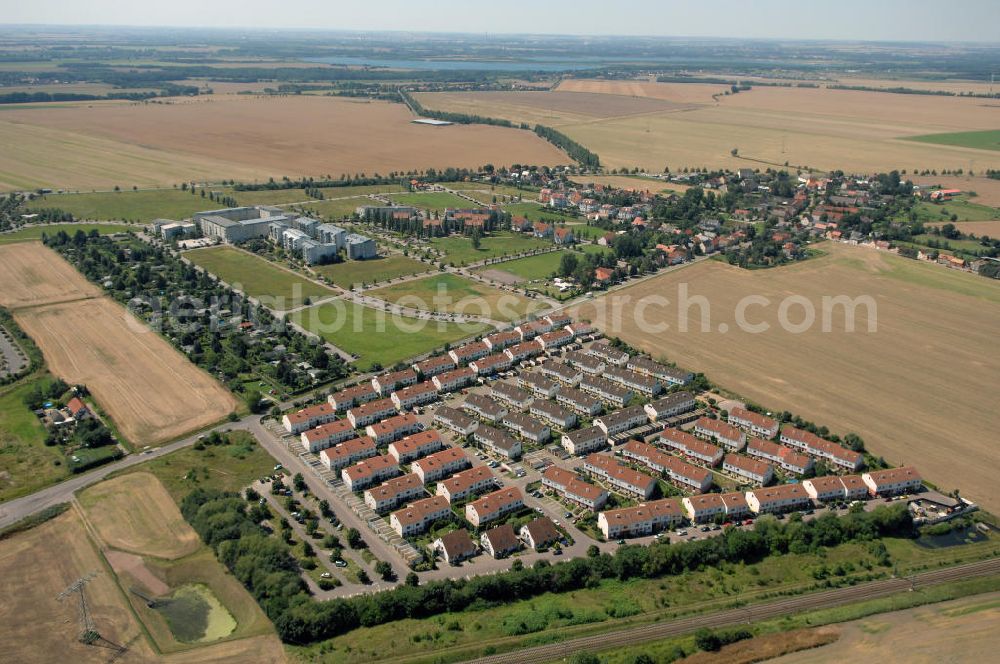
(873, 20)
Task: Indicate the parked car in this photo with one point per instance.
(340, 563)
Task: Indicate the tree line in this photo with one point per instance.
(266, 567)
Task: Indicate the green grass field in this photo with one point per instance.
(460, 251)
(36, 232)
(432, 200)
(981, 140)
(613, 605)
(257, 277)
(142, 206)
(26, 464)
(962, 208)
(371, 271)
(536, 212)
(337, 209)
(377, 337)
(459, 295)
(588, 232)
(361, 190)
(541, 266)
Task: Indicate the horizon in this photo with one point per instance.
(892, 21)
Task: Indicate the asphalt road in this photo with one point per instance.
(744, 615)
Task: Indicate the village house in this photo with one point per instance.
(777, 499)
(584, 441)
(351, 451)
(394, 492)
(497, 341)
(501, 541)
(753, 470)
(786, 458)
(418, 516)
(621, 421)
(670, 406)
(563, 236)
(661, 372)
(456, 420)
(539, 533)
(393, 428)
(414, 395)
(533, 328)
(585, 362)
(725, 434)
(691, 478)
(466, 483)
(455, 546)
(558, 319)
(496, 441)
(308, 418)
(759, 425)
(368, 471)
(555, 338)
(836, 488)
(494, 506)
(450, 381)
(641, 520)
(646, 385)
(433, 366)
(468, 352)
(609, 354)
(416, 446)
(815, 446)
(441, 464)
(632, 482)
(709, 506)
(691, 447)
(523, 351)
(490, 364)
(553, 413)
(484, 407)
(386, 383)
(606, 390)
(570, 487)
(893, 482)
(352, 396)
(561, 372)
(373, 411)
(579, 401)
(514, 397)
(539, 385)
(326, 435)
(527, 427)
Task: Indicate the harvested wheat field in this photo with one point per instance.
(151, 391)
(817, 128)
(987, 189)
(32, 274)
(978, 228)
(766, 647)
(923, 389)
(135, 513)
(36, 566)
(245, 137)
(962, 630)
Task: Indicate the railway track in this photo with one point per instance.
(743, 615)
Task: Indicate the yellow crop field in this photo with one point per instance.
(86, 145)
(921, 389)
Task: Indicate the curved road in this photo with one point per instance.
(743, 615)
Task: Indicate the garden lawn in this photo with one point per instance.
(371, 271)
(531, 268)
(435, 201)
(455, 294)
(459, 250)
(962, 208)
(536, 212)
(36, 232)
(377, 337)
(341, 208)
(26, 464)
(278, 288)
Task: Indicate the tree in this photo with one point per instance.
(353, 538)
(708, 640)
(412, 580)
(585, 658)
(299, 482)
(593, 551)
(476, 242)
(567, 264)
(363, 577)
(384, 570)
